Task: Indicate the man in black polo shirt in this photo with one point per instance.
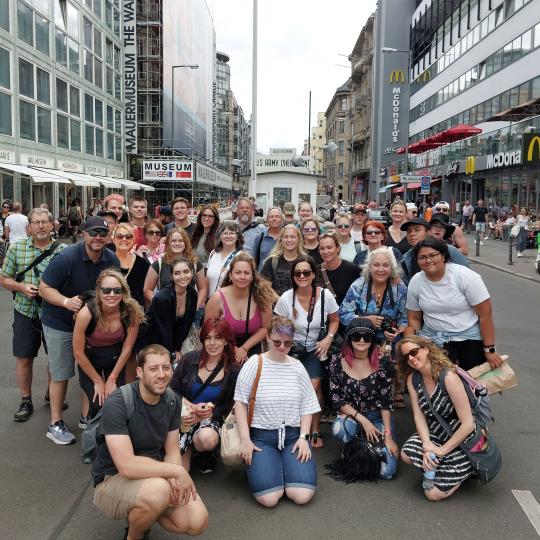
(70, 274)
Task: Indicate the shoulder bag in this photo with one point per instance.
(230, 434)
(337, 340)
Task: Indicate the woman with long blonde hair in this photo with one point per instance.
(105, 331)
(245, 301)
(277, 268)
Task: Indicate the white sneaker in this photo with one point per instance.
(486, 237)
(481, 243)
(520, 254)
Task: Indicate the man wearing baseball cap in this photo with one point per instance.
(69, 276)
(412, 210)
(457, 238)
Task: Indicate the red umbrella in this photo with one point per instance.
(456, 133)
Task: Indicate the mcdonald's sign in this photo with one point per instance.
(424, 77)
(397, 75)
(469, 165)
(531, 148)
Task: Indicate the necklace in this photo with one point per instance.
(210, 370)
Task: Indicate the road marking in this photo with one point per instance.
(530, 507)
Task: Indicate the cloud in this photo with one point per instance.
(299, 43)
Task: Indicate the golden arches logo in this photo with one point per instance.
(397, 75)
(424, 77)
(530, 149)
(469, 165)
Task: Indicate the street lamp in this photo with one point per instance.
(177, 66)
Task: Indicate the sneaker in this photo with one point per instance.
(25, 411)
(481, 243)
(60, 434)
(83, 420)
(47, 398)
(486, 237)
(206, 462)
(520, 255)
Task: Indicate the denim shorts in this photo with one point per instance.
(273, 469)
(312, 364)
(345, 428)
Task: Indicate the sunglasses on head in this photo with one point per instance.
(278, 343)
(412, 353)
(304, 273)
(101, 233)
(109, 290)
(366, 338)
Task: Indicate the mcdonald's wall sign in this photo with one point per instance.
(531, 148)
(397, 76)
(469, 165)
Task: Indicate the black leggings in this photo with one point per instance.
(467, 354)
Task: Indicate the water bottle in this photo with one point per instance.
(429, 476)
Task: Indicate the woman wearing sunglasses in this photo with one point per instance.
(311, 229)
(204, 238)
(361, 391)
(132, 266)
(452, 467)
(309, 310)
(104, 336)
(450, 304)
(275, 444)
(348, 245)
(395, 236)
(373, 233)
(153, 249)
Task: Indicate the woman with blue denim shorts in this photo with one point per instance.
(310, 307)
(275, 446)
(361, 391)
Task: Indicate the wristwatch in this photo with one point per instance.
(490, 349)
(304, 436)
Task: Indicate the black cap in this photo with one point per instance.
(165, 211)
(96, 223)
(415, 221)
(107, 213)
(443, 219)
(360, 325)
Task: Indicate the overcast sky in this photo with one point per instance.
(299, 41)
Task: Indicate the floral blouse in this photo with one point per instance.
(375, 392)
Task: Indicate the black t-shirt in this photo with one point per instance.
(189, 229)
(136, 277)
(342, 277)
(281, 279)
(147, 428)
(480, 213)
(165, 275)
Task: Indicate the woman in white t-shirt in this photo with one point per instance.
(348, 245)
(310, 307)
(274, 431)
(450, 304)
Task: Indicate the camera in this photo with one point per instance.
(388, 325)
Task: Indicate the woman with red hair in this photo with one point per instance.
(206, 380)
(373, 237)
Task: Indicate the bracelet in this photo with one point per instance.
(66, 300)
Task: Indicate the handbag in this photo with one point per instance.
(514, 231)
(192, 341)
(481, 450)
(230, 434)
(337, 340)
(495, 380)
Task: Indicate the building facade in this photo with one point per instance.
(317, 141)
(61, 101)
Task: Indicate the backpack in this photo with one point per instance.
(73, 213)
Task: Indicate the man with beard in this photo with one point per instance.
(137, 472)
(250, 229)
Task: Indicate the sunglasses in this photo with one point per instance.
(310, 229)
(153, 233)
(5, 206)
(122, 236)
(302, 273)
(444, 210)
(413, 212)
(373, 233)
(109, 290)
(101, 234)
(343, 226)
(366, 338)
(412, 353)
(278, 343)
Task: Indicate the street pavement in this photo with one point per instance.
(46, 491)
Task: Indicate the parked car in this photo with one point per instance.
(380, 214)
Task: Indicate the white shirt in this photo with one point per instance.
(348, 251)
(467, 210)
(216, 271)
(17, 224)
(357, 236)
(447, 305)
(284, 394)
(284, 307)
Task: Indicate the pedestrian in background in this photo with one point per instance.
(359, 218)
(395, 235)
(311, 229)
(289, 211)
(204, 236)
(479, 220)
(75, 218)
(524, 222)
(115, 203)
(466, 216)
(15, 225)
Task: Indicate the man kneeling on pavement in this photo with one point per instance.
(137, 472)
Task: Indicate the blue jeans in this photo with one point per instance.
(521, 239)
(345, 429)
(273, 469)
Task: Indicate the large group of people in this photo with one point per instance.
(193, 317)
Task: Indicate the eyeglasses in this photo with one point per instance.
(122, 236)
(208, 216)
(441, 209)
(100, 233)
(428, 257)
(302, 273)
(343, 226)
(373, 233)
(153, 233)
(228, 233)
(310, 229)
(278, 343)
(108, 290)
(412, 353)
(366, 338)
(45, 222)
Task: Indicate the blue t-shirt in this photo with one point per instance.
(72, 273)
(210, 394)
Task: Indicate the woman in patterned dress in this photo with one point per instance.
(417, 354)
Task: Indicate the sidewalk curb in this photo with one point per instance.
(505, 270)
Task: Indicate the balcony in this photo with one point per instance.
(363, 59)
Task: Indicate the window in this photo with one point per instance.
(97, 43)
(61, 95)
(110, 146)
(110, 118)
(26, 78)
(73, 48)
(341, 126)
(44, 125)
(89, 137)
(99, 112)
(42, 34)
(62, 130)
(24, 23)
(99, 142)
(340, 170)
(5, 69)
(98, 73)
(75, 135)
(72, 20)
(118, 121)
(74, 101)
(27, 125)
(537, 36)
(4, 15)
(88, 108)
(5, 114)
(87, 33)
(61, 48)
(88, 66)
(43, 90)
(341, 146)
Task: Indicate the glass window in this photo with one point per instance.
(88, 108)
(5, 114)
(526, 40)
(117, 86)
(507, 55)
(25, 23)
(74, 101)
(98, 112)
(524, 92)
(118, 148)
(88, 66)
(110, 146)
(87, 33)
(97, 43)
(75, 132)
(73, 56)
(98, 73)
(4, 17)
(108, 13)
(516, 49)
(27, 121)
(537, 36)
(42, 35)
(97, 8)
(109, 82)
(60, 15)
(61, 95)
(109, 52)
(4, 69)
(116, 20)
(497, 60)
(62, 131)
(535, 88)
(26, 78)
(110, 118)
(61, 48)
(116, 58)
(118, 121)
(99, 142)
(42, 86)
(44, 125)
(89, 138)
(72, 20)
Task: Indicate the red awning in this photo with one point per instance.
(456, 133)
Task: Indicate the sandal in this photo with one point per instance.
(399, 400)
(316, 436)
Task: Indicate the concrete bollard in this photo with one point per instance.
(510, 244)
(478, 237)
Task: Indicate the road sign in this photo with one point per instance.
(408, 179)
(425, 185)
